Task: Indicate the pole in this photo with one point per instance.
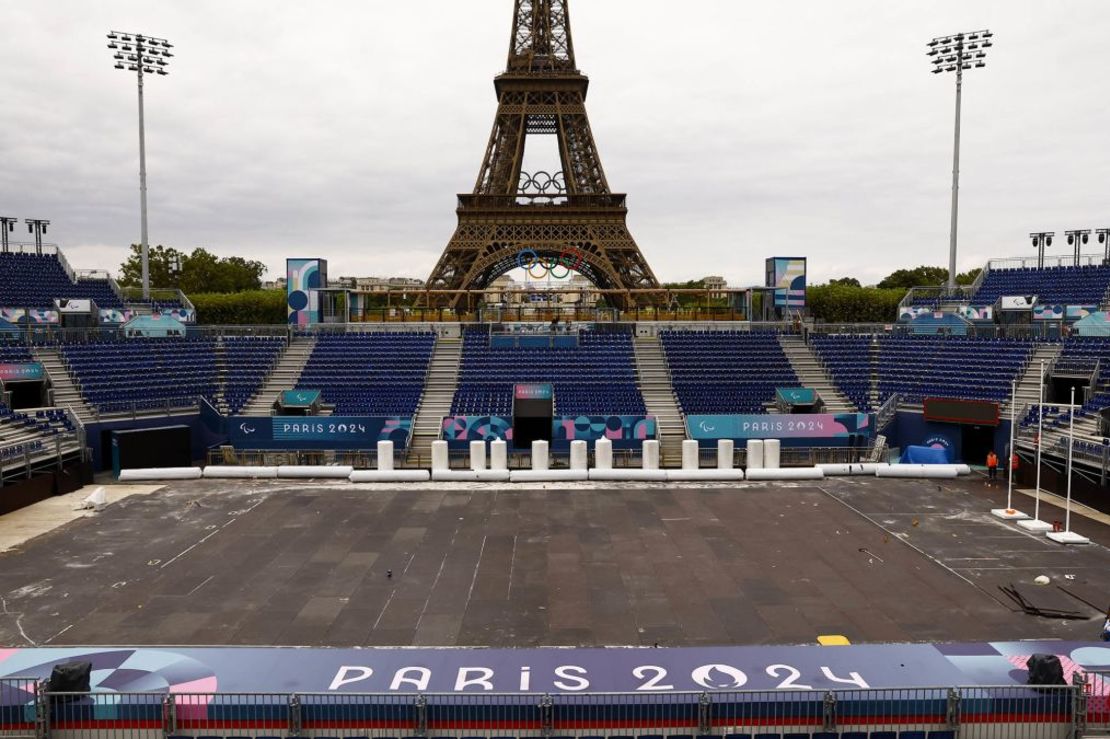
(1040, 440)
(144, 245)
(956, 171)
(1071, 446)
(1010, 461)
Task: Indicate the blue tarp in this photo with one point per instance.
(926, 455)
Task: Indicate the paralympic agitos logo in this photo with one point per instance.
(570, 260)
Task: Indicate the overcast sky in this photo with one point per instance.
(739, 129)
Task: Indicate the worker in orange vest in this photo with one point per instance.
(992, 467)
(1013, 465)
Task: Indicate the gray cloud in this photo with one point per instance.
(740, 130)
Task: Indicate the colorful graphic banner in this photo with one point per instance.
(304, 278)
(114, 315)
(788, 276)
(554, 670)
(626, 432)
(811, 429)
(1076, 312)
(317, 432)
(33, 315)
(1048, 313)
(976, 313)
(21, 372)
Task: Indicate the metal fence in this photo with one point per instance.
(1004, 712)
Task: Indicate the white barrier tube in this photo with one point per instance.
(390, 476)
(477, 455)
(925, 471)
(787, 473)
(579, 454)
(651, 454)
(755, 454)
(549, 475)
(539, 455)
(772, 454)
(603, 454)
(498, 455)
(163, 473)
(439, 455)
(239, 473)
(857, 469)
(725, 454)
(690, 459)
(385, 456)
(705, 475)
(310, 472)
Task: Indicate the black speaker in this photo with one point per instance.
(71, 677)
(1045, 669)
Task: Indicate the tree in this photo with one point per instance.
(835, 303)
(846, 281)
(200, 271)
(919, 277)
(966, 278)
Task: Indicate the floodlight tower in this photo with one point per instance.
(958, 53)
(37, 226)
(1078, 238)
(1104, 238)
(142, 55)
(1040, 241)
(7, 225)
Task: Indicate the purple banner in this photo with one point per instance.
(627, 670)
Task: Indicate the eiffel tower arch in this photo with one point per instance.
(569, 217)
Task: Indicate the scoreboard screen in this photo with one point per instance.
(971, 412)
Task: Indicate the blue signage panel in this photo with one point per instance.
(809, 429)
(534, 391)
(798, 395)
(555, 671)
(299, 398)
(317, 432)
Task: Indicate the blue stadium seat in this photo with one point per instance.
(596, 377)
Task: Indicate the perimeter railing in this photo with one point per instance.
(1004, 712)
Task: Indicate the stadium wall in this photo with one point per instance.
(100, 442)
(911, 429)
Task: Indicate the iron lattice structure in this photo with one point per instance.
(570, 216)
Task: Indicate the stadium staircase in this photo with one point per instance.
(811, 373)
(284, 376)
(439, 392)
(1028, 391)
(657, 389)
(66, 394)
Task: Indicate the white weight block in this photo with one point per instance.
(540, 460)
(579, 455)
(477, 455)
(307, 472)
(725, 453)
(498, 455)
(772, 454)
(385, 456)
(755, 454)
(650, 455)
(690, 454)
(390, 476)
(603, 454)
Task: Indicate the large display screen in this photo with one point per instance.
(972, 412)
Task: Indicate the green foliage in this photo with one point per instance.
(919, 277)
(200, 271)
(966, 278)
(252, 307)
(925, 277)
(840, 303)
(848, 281)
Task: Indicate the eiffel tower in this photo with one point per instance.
(569, 218)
